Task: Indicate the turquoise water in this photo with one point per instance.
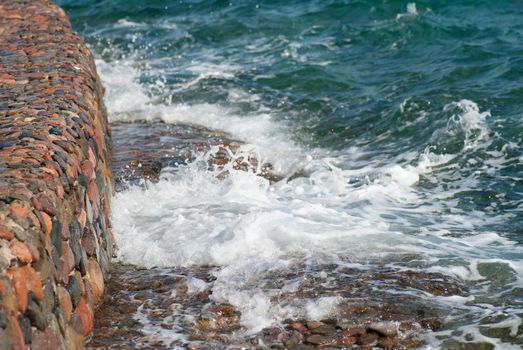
(406, 117)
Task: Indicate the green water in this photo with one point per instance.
(369, 86)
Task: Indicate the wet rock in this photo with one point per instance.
(324, 330)
(293, 340)
(321, 340)
(314, 324)
(368, 339)
(387, 329)
(389, 343)
(354, 331)
(298, 326)
(455, 345)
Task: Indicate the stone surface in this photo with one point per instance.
(387, 329)
(53, 134)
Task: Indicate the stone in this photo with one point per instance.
(368, 339)
(21, 251)
(294, 340)
(314, 324)
(67, 261)
(44, 340)
(388, 343)
(47, 222)
(387, 329)
(20, 209)
(321, 340)
(34, 313)
(25, 326)
(18, 277)
(324, 330)
(34, 282)
(74, 340)
(354, 331)
(4, 340)
(35, 254)
(48, 301)
(43, 203)
(344, 339)
(298, 326)
(64, 300)
(15, 333)
(84, 311)
(95, 280)
(89, 242)
(3, 321)
(76, 323)
(6, 234)
(56, 236)
(73, 289)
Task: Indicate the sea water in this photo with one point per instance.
(396, 125)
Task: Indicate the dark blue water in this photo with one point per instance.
(406, 118)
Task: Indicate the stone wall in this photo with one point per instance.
(55, 180)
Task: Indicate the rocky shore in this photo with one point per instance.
(55, 180)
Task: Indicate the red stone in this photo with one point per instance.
(84, 311)
(320, 340)
(95, 280)
(35, 283)
(43, 203)
(48, 222)
(18, 277)
(19, 209)
(93, 192)
(6, 234)
(21, 251)
(64, 300)
(298, 326)
(357, 331)
(15, 335)
(88, 169)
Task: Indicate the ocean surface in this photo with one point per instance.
(398, 129)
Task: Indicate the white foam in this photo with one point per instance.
(128, 101)
(411, 11)
(322, 307)
(472, 122)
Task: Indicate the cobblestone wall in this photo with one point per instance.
(55, 180)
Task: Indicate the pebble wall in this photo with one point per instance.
(55, 180)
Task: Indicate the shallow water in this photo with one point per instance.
(396, 127)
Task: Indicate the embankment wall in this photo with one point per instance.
(55, 180)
